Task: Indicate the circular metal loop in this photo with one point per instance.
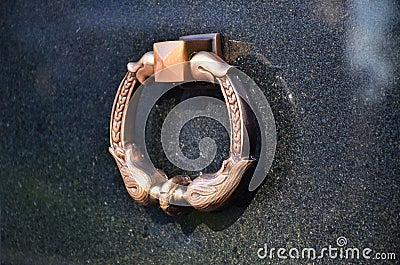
(148, 185)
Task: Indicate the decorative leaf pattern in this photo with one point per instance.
(148, 185)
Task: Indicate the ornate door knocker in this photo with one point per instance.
(200, 58)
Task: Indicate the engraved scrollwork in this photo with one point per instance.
(137, 180)
(148, 185)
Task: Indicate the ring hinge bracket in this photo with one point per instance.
(176, 53)
(215, 39)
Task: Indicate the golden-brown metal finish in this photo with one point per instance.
(169, 53)
(148, 185)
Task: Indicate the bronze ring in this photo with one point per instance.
(148, 185)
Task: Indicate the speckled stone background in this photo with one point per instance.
(336, 171)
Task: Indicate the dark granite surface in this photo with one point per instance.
(336, 171)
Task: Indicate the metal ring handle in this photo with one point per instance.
(148, 185)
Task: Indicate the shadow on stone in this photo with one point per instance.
(282, 102)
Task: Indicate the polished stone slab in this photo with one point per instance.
(336, 108)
